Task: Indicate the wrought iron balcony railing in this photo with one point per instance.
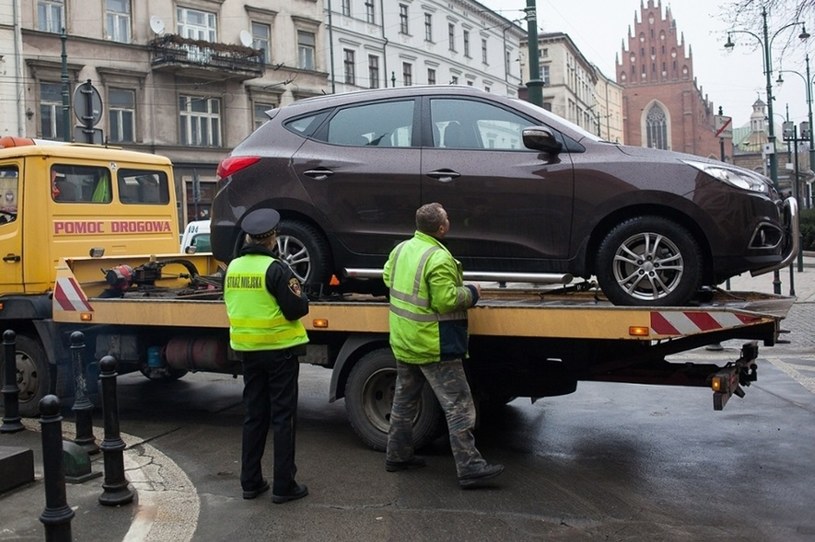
(199, 58)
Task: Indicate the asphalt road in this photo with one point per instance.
(610, 462)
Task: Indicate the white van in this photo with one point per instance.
(196, 237)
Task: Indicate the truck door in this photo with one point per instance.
(11, 231)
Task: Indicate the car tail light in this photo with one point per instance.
(233, 164)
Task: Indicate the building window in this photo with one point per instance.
(373, 71)
(484, 50)
(407, 74)
(346, 8)
(370, 14)
(545, 75)
(466, 36)
(117, 20)
(431, 76)
(348, 66)
(454, 79)
(200, 121)
(428, 27)
(451, 36)
(656, 126)
(51, 123)
(196, 24)
(261, 39)
(122, 115)
(403, 18)
(260, 115)
(50, 15)
(305, 50)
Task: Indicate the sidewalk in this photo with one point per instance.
(166, 503)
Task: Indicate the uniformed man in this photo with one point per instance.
(428, 336)
(264, 303)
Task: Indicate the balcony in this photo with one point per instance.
(205, 60)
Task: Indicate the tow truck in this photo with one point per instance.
(164, 315)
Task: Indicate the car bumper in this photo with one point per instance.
(793, 238)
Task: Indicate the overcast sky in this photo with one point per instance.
(732, 80)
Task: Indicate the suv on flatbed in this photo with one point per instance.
(527, 192)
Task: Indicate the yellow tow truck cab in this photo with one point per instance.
(66, 200)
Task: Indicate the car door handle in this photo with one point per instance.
(11, 258)
(444, 175)
(320, 174)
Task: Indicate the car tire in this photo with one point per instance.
(649, 261)
(369, 396)
(306, 251)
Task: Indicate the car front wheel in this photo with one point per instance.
(649, 260)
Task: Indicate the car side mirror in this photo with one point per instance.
(541, 139)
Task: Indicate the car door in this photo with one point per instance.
(510, 207)
(361, 171)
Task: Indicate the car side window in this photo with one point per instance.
(143, 186)
(471, 124)
(388, 124)
(80, 184)
(9, 190)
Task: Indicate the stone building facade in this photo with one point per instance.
(662, 105)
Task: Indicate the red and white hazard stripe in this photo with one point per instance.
(691, 322)
(69, 296)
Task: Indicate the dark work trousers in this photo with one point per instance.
(269, 398)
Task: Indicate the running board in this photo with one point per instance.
(485, 276)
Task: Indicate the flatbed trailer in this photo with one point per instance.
(526, 341)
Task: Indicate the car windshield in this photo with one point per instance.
(581, 133)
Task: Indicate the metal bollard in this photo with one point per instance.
(11, 393)
(115, 487)
(57, 515)
(83, 408)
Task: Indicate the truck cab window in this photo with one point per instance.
(138, 186)
(9, 189)
(80, 184)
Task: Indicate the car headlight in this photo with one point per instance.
(740, 178)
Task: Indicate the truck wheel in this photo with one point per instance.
(305, 250)
(649, 260)
(33, 375)
(368, 398)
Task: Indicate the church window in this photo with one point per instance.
(656, 126)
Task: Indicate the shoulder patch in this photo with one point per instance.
(294, 286)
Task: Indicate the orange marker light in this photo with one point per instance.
(86, 316)
(320, 323)
(638, 331)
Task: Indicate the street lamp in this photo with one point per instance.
(767, 43)
(808, 84)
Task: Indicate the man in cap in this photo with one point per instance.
(264, 303)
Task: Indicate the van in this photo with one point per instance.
(196, 238)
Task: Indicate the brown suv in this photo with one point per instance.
(527, 192)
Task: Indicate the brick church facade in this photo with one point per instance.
(662, 105)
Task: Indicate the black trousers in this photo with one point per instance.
(269, 398)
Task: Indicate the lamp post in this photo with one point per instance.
(766, 44)
(808, 84)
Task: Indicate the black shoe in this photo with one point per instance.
(480, 477)
(261, 489)
(414, 462)
(298, 491)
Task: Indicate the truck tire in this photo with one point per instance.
(368, 398)
(33, 375)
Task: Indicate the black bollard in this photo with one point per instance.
(11, 393)
(116, 490)
(83, 408)
(57, 515)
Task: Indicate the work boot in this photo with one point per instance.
(262, 488)
(480, 477)
(414, 462)
(296, 491)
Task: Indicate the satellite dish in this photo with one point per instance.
(246, 38)
(156, 25)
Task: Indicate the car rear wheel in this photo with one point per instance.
(305, 250)
(649, 260)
